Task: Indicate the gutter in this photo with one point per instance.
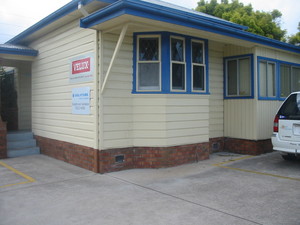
(63, 11)
(175, 16)
(17, 50)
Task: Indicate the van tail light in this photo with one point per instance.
(276, 121)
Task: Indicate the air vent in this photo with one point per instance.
(119, 158)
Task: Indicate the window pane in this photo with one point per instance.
(291, 108)
(148, 76)
(198, 78)
(197, 52)
(178, 79)
(271, 80)
(177, 50)
(232, 77)
(245, 77)
(285, 80)
(148, 49)
(296, 79)
(263, 79)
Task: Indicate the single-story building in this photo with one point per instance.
(109, 85)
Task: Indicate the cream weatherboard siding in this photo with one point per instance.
(146, 119)
(51, 90)
(216, 83)
(116, 99)
(278, 55)
(187, 119)
(240, 118)
(266, 111)
(24, 96)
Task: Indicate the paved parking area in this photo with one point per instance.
(226, 189)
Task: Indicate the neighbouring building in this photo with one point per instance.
(109, 85)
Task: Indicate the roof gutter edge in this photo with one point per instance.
(61, 12)
(108, 11)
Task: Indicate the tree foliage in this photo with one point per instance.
(259, 22)
(295, 39)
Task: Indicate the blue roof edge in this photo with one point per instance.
(17, 50)
(181, 18)
(61, 12)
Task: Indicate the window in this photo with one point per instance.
(148, 63)
(169, 63)
(289, 79)
(267, 79)
(177, 64)
(198, 66)
(238, 72)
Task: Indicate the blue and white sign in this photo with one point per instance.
(81, 100)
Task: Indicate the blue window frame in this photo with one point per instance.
(289, 79)
(180, 65)
(148, 63)
(267, 79)
(277, 79)
(238, 76)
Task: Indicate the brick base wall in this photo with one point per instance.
(216, 144)
(77, 155)
(146, 157)
(3, 142)
(248, 147)
(152, 157)
(123, 158)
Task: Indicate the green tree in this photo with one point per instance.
(259, 22)
(295, 39)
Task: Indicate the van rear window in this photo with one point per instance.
(291, 108)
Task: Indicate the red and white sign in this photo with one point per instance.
(81, 68)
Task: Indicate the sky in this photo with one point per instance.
(18, 15)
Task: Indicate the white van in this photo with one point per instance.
(286, 130)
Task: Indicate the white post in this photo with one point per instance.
(118, 46)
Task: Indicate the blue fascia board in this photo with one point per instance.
(185, 14)
(141, 6)
(107, 1)
(63, 11)
(123, 7)
(23, 52)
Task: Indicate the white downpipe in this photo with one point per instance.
(117, 49)
(82, 9)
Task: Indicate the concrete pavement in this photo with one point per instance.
(226, 189)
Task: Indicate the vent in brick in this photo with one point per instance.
(119, 158)
(216, 146)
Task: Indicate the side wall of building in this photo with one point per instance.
(61, 134)
(239, 114)
(147, 120)
(52, 91)
(266, 109)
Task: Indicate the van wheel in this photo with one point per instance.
(289, 157)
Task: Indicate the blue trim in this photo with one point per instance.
(18, 51)
(251, 96)
(259, 59)
(183, 18)
(166, 63)
(278, 63)
(63, 11)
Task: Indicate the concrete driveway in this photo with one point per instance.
(227, 189)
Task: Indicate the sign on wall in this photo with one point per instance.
(81, 100)
(82, 68)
